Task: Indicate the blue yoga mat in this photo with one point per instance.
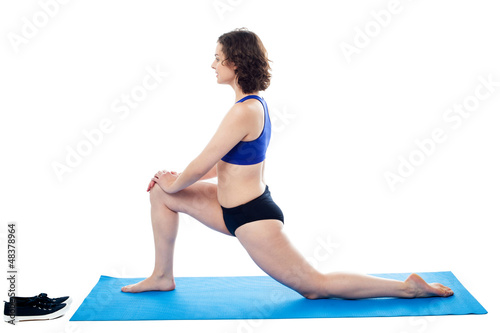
(259, 297)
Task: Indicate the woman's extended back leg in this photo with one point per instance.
(273, 252)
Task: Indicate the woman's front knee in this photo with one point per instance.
(158, 196)
(155, 193)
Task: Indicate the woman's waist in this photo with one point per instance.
(233, 194)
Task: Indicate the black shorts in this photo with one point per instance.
(260, 208)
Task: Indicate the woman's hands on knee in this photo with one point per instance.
(164, 179)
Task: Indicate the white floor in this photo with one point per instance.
(385, 144)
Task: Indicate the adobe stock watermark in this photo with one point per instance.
(72, 327)
(31, 26)
(281, 118)
(325, 249)
(122, 107)
(221, 7)
(380, 20)
(12, 271)
(453, 117)
(419, 324)
(422, 324)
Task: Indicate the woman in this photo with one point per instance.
(240, 204)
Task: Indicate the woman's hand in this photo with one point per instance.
(164, 179)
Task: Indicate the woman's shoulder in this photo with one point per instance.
(248, 108)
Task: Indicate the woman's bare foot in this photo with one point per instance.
(417, 287)
(151, 283)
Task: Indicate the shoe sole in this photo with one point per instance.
(48, 316)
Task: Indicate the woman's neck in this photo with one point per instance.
(239, 94)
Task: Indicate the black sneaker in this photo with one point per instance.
(30, 311)
(41, 299)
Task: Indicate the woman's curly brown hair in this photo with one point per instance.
(245, 50)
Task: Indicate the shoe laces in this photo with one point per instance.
(41, 299)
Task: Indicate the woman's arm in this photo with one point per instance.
(211, 174)
(233, 128)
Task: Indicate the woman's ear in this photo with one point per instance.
(231, 65)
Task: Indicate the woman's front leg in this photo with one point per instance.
(165, 223)
(200, 202)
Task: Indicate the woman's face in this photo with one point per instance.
(225, 72)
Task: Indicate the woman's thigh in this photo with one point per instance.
(272, 251)
(198, 200)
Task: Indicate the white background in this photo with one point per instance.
(339, 126)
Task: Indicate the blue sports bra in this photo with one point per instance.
(251, 152)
